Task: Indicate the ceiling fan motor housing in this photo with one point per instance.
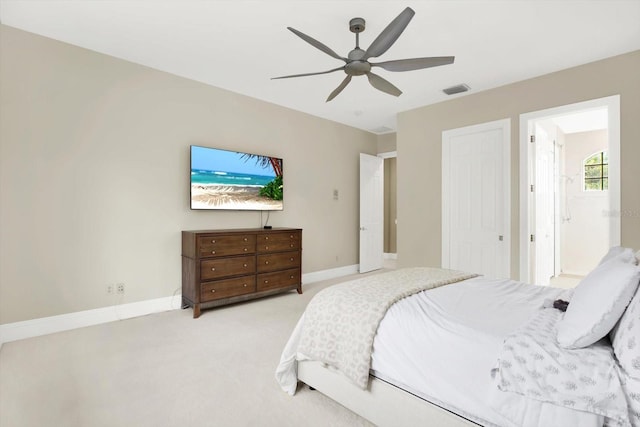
(357, 68)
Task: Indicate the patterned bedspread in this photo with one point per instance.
(533, 364)
(340, 322)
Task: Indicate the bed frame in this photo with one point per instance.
(382, 403)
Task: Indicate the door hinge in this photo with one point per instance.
(532, 238)
(532, 138)
(532, 187)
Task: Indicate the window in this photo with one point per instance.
(596, 172)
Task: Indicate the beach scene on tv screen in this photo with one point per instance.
(222, 179)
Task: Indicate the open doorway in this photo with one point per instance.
(378, 223)
(390, 209)
(570, 165)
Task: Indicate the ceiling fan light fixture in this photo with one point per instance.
(456, 89)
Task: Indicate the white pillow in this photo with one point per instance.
(625, 339)
(599, 301)
(613, 252)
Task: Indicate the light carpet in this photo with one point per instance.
(166, 369)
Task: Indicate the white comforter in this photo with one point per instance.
(449, 340)
(341, 321)
(443, 343)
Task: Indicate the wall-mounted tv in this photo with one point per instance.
(222, 179)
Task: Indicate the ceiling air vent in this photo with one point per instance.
(456, 89)
(382, 129)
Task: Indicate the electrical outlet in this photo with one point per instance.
(120, 288)
(110, 288)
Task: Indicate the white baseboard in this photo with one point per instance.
(317, 276)
(387, 255)
(64, 322)
(575, 273)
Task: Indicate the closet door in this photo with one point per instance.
(475, 199)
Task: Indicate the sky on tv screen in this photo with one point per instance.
(212, 159)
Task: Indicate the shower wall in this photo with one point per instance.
(584, 215)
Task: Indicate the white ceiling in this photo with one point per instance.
(583, 121)
(240, 45)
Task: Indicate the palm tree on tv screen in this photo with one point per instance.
(273, 189)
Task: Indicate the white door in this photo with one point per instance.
(371, 212)
(475, 199)
(543, 198)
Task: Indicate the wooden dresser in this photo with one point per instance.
(226, 266)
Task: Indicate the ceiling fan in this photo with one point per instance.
(357, 61)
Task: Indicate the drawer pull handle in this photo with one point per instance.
(213, 252)
(266, 247)
(213, 241)
(291, 236)
(246, 240)
(245, 265)
(291, 277)
(245, 249)
(245, 285)
(213, 290)
(266, 281)
(266, 238)
(291, 259)
(266, 262)
(213, 269)
(292, 245)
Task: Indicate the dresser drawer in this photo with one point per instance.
(214, 246)
(227, 288)
(279, 279)
(274, 242)
(226, 267)
(278, 261)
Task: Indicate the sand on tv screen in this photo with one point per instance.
(222, 179)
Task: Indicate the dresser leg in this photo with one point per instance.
(299, 289)
(196, 311)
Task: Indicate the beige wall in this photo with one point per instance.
(94, 176)
(386, 142)
(419, 139)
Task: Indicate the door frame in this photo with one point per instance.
(542, 127)
(612, 103)
(505, 126)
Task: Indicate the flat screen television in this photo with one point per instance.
(222, 179)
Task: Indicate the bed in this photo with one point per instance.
(447, 352)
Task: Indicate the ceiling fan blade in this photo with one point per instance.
(337, 90)
(383, 85)
(307, 74)
(414, 63)
(315, 43)
(389, 35)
